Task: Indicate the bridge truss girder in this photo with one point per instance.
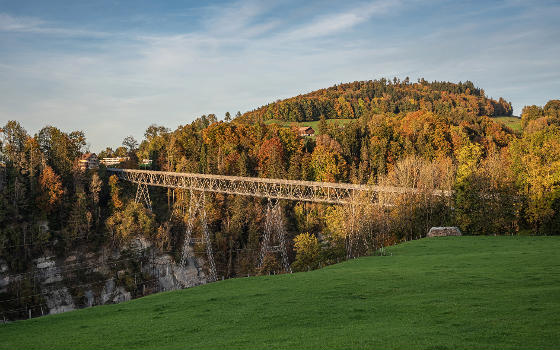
(272, 189)
(143, 195)
(308, 191)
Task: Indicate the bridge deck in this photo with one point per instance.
(325, 192)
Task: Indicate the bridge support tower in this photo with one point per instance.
(143, 195)
(196, 207)
(274, 226)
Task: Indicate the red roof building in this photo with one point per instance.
(306, 131)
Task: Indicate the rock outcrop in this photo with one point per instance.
(85, 279)
(444, 231)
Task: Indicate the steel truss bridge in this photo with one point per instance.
(272, 189)
(306, 191)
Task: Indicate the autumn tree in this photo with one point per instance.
(152, 132)
(130, 143)
(327, 162)
(134, 220)
(529, 113)
(468, 195)
(423, 203)
(106, 153)
(95, 189)
(51, 189)
(60, 149)
(536, 163)
(120, 152)
(338, 226)
(115, 192)
(271, 158)
(80, 218)
(552, 109)
(485, 188)
(322, 127)
(308, 250)
(13, 145)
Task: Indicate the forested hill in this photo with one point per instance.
(441, 139)
(460, 101)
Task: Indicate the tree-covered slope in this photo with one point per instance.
(458, 101)
(444, 293)
(503, 183)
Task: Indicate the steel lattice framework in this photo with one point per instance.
(196, 206)
(272, 189)
(307, 191)
(274, 225)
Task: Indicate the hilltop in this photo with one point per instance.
(444, 293)
(457, 101)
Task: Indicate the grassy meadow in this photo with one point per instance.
(437, 293)
(313, 124)
(514, 123)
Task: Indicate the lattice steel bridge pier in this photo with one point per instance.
(272, 189)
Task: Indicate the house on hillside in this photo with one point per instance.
(88, 161)
(306, 131)
(113, 161)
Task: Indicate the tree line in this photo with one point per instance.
(426, 136)
(353, 100)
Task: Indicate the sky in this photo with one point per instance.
(112, 68)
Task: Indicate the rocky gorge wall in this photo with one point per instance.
(83, 279)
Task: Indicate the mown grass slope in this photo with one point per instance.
(514, 123)
(313, 124)
(438, 293)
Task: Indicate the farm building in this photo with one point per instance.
(113, 161)
(89, 161)
(306, 131)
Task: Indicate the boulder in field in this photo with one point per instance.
(444, 231)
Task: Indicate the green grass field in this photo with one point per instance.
(514, 123)
(313, 124)
(438, 293)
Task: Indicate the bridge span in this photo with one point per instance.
(272, 189)
(307, 191)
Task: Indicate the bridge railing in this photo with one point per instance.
(310, 191)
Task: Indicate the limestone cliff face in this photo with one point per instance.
(85, 279)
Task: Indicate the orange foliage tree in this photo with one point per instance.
(51, 189)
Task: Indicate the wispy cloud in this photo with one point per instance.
(334, 23)
(248, 53)
(240, 18)
(15, 24)
(34, 25)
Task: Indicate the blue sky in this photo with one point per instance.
(111, 68)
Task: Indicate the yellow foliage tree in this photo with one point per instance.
(115, 197)
(308, 251)
(536, 163)
(51, 189)
(134, 220)
(328, 165)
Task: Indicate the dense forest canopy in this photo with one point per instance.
(462, 101)
(422, 135)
